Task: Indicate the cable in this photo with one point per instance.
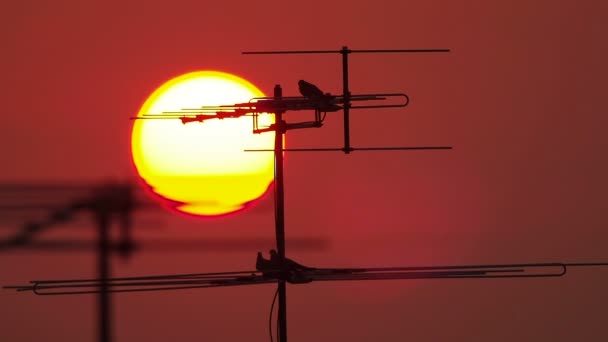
(274, 299)
(323, 117)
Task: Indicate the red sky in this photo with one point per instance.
(520, 97)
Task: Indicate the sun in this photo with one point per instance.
(201, 168)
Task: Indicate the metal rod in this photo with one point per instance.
(103, 264)
(346, 96)
(341, 149)
(287, 52)
(280, 212)
(340, 51)
(402, 51)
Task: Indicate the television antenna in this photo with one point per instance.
(278, 268)
(106, 203)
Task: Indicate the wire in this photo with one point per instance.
(323, 117)
(274, 299)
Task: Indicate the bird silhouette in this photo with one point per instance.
(324, 101)
(310, 90)
(276, 264)
(285, 269)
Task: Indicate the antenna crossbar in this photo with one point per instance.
(344, 50)
(298, 275)
(341, 149)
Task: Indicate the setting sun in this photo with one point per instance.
(200, 168)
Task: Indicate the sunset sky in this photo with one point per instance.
(521, 98)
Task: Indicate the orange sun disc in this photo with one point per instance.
(201, 168)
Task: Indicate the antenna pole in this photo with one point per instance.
(346, 94)
(103, 270)
(280, 212)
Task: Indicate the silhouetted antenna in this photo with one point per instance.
(346, 95)
(104, 202)
(294, 275)
(62, 203)
(318, 102)
(313, 99)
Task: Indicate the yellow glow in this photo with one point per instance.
(201, 168)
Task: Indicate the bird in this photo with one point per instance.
(310, 90)
(324, 102)
(284, 269)
(276, 264)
